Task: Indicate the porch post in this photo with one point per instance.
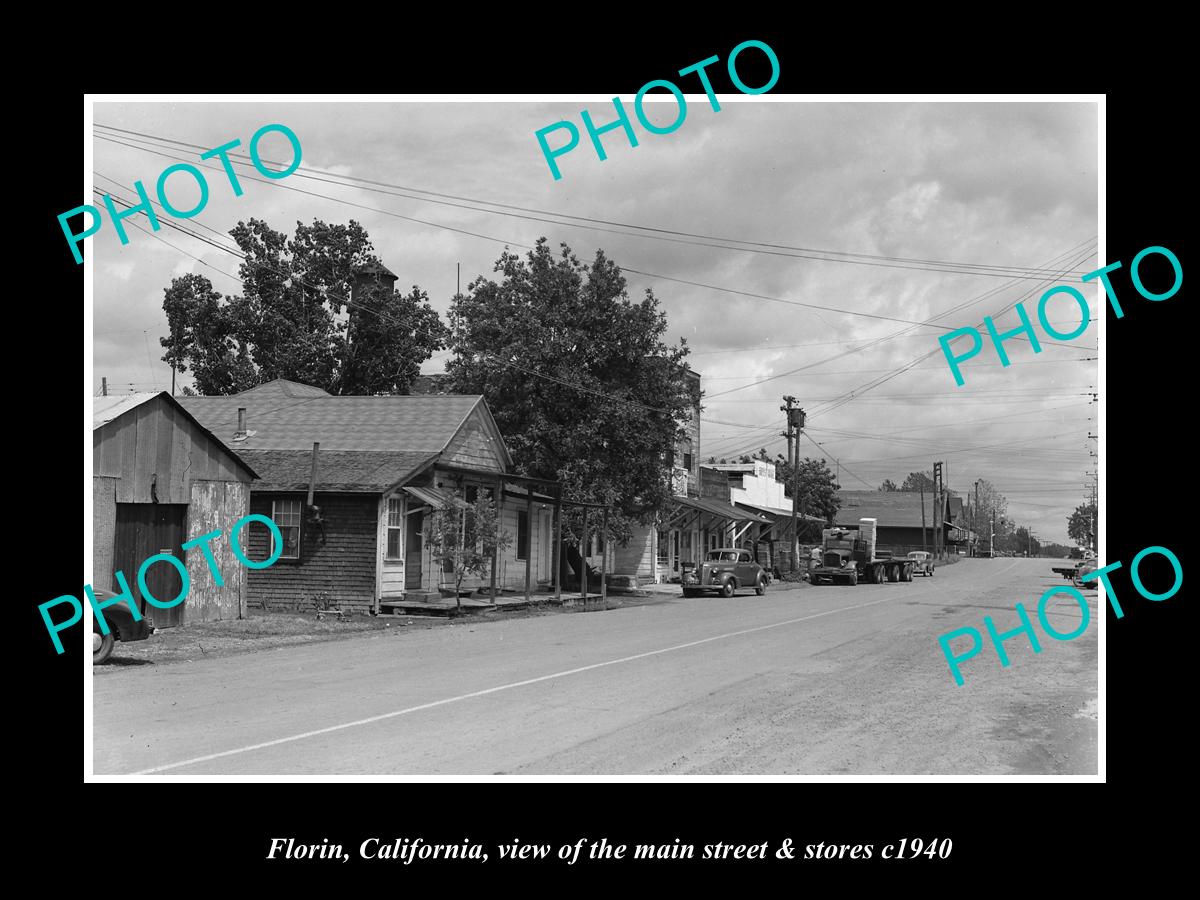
(499, 498)
(556, 562)
(604, 561)
(528, 537)
(583, 566)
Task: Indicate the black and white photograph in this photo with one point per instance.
(703, 434)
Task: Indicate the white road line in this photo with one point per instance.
(493, 690)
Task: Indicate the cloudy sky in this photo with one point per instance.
(878, 217)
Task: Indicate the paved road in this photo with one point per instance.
(809, 680)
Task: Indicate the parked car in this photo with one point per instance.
(1085, 566)
(121, 627)
(725, 570)
(922, 562)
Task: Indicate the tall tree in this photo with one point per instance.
(818, 486)
(918, 481)
(993, 507)
(888, 485)
(1081, 526)
(293, 318)
(578, 376)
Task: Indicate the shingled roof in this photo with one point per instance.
(368, 444)
(419, 424)
(895, 509)
(282, 388)
(345, 471)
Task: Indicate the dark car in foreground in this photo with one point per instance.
(724, 571)
(121, 627)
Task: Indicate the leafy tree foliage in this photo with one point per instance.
(464, 537)
(917, 481)
(888, 485)
(293, 320)
(574, 325)
(1080, 525)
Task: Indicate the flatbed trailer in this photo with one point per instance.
(849, 556)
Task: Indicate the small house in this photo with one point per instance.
(351, 482)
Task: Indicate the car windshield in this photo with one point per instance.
(916, 554)
(721, 556)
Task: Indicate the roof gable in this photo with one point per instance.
(108, 409)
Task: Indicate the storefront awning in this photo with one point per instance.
(721, 510)
(435, 497)
(774, 515)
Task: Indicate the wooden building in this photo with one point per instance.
(907, 520)
(377, 468)
(159, 479)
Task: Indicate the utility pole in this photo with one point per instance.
(975, 516)
(939, 539)
(795, 421)
(103, 386)
(924, 534)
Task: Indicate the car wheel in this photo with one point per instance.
(761, 587)
(727, 588)
(102, 647)
(688, 593)
(931, 571)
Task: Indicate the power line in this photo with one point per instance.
(898, 262)
(349, 303)
(646, 274)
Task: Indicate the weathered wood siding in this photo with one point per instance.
(342, 564)
(215, 506)
(475, 446)
(638, 556)
(104, 529)
(155, 444)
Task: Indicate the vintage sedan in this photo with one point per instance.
(724, 571)
(121, 627)
(922, 562)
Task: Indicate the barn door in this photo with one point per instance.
(143, 530)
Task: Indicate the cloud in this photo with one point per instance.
(1009, 184)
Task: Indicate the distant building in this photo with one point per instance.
(907, 520)
(755, 488)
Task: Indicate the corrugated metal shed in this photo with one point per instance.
(105, 409)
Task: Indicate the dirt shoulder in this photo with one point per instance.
(270, 630)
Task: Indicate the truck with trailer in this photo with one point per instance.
(848, 554)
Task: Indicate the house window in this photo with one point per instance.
(395, 528)
(687, 461)
(522, 534)
(287, 515)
